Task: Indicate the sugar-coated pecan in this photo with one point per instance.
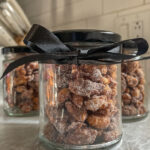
(81, 136)
(78, 114)
(99, 122)
(97, 102)
(85, 87)
(63, 95)
(77, 100)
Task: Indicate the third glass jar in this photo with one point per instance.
(134, 90)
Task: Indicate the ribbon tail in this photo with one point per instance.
(25, 60)
(42, 40)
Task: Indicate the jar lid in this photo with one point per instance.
(88, 35)
(17, 49)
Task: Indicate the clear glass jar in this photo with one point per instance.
(80, 104)
(134, 90)
(20, 87)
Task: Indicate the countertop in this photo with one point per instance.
(22, 134)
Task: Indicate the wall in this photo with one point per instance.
(115, 15)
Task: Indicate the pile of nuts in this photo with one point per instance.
(132, 89)
(25, 85)
(84, 109)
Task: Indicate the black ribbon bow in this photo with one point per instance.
(54, 51)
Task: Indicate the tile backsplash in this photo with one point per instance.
(98, 14)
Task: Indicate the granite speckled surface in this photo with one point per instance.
(22, 134)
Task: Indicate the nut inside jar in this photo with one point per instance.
(81, 104)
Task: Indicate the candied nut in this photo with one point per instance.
(30, 77)
(126, 97)
(20, 81)
(50, 132)
(107, 91)
(114, 75)
(92, 73)
(110, 135)
(27, 94)
(81, 136)
(142, 81)
(112, 69)
(77, 100)
(111, 110)
(132, 66)
(56, 114)
(114, 92)
(140, 73)
(97, 102)
(26, 108)
(34, 66)
(58, 117)
(64, 95)
(123, 83)
(127, 90)
(20, 71)
(105, 80)
(113, 83)
(124, 67)
(35, 106)
(132, 81)
(99, 132)
(129, 110)
(99, 122)
(75, 125)
(96, 76)
(142, 109)
(35, 100)
(103, 69)
(113, 126)
(61, 126)
(85, 87)
(141, 87)
(87, 68)
(62, 81)
(78, 114)
(20, 89)
(135, 93)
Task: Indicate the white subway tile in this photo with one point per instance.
(24, 2)
(147, 1)
(36, 7)
(106, 22)
(76, 11)
(43, 20)
(74, 25)
(115, 5)
(142, 8)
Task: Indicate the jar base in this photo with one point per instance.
(49, 144)
(134, 118)
(11, 113)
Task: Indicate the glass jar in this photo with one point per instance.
(134, 90)
(20, 87)
(80, 104)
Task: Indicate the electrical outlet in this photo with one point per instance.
(137, 29)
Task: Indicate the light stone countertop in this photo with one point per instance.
(22, 134)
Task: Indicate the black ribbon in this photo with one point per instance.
(54, 51)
